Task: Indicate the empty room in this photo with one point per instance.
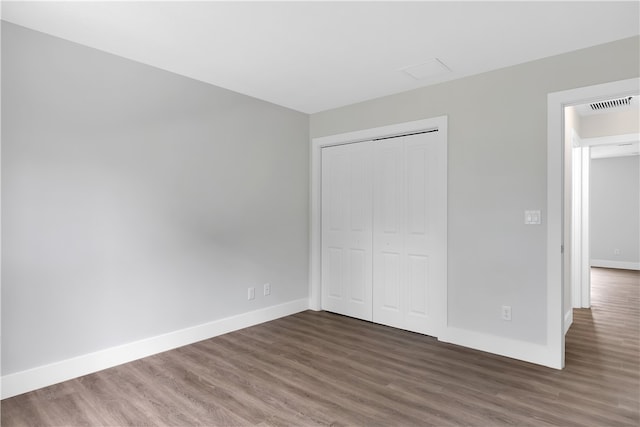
(320, 213)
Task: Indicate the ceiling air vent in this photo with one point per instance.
(612, 103)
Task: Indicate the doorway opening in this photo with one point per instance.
(559, 199)
(602, 143)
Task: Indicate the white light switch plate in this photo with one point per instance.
(532, 217)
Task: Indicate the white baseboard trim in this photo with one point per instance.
(568, 320)
(521, 350)
(624, 265)
(46, 375)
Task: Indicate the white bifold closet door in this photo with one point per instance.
(346, 230)
(384, 231)
(409, 229)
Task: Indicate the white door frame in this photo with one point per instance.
(555, 198)
(315, 248)
(581, 248)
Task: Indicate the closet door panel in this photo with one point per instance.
(389, 258)
(405, 201)
(417, 297)
(346, 230)
(334, 215)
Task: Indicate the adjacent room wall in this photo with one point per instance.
(615, 212)
(607, 124)
(497, 170)
(615, 193)
(136, 202)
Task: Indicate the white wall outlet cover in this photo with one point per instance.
(532, 217)
(506, 312)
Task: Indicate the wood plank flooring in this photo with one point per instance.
(317, 368)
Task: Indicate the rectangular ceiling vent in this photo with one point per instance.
(612, 103)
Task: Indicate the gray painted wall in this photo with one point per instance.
(615, 209)
(137, 202)
(497, 170)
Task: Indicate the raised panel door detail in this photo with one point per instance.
(335, 200)
(418, 285)
(360, 212)
(390, 281)
(334, 272)
(358, 275)
(390, 185)
(417, 188)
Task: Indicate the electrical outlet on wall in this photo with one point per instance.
(532, 217)
(506, 312)
(251, 293)
(267, 289)
(616, 251)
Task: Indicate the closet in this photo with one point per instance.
(383, 230)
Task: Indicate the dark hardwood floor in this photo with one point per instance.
(317, 368)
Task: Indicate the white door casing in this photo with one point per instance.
(580, 251)
(585, 231)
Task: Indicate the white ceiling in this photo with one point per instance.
(313, 56)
